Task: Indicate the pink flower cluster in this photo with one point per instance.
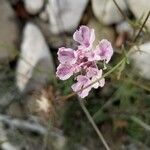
(83, 61)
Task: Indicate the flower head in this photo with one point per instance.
(83, 61)
(104, 50)
(84, 36)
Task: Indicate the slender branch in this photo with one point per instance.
(136, 37)
(93, 124)
(141, 123)
(105, 75)
(120, 10)
(144, 87)
(106, 104)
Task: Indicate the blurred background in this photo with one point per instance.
(32, 113)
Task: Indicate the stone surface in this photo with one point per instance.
(44, 16)
(101, 32)
(65, 15)
(139, 9)
(35, 63)
(141, 61)
(5, 145)
(33, 6)
(124, 27)
(8, 32)
(107, 12)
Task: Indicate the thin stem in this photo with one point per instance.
(105, 75)
(120, 10)
(104, 106)
(141, 123)
(89, 117)
(136, 37)
(140, 85)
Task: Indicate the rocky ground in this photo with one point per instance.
(31, 113)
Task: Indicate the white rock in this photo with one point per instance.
(44, 15)
(8, 32)
(35, 61)
(140, 8)
(141, 60)
(5, 145)
(65, 15)
(101, 31)
(107, 12)
(8, 146)
(124, 27)
(33, 6)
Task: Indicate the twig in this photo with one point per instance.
(106, 104)
(144, 87)
(93, 124)
(141, 123)
(120, 10)
(138, 84)
(136, 37)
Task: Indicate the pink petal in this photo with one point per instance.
(84, 36)
(64, 71)
(82, 82)
(96, 74)
(77, 68)
(104, 50)
(100, 83)
(92, 72)
(91, 56)
(81, 53)
(67, 55)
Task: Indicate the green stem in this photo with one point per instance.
(105, 75)
(89, 117)
(140, 122)
(136, 37)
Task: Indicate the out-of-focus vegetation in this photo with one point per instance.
(121, 109)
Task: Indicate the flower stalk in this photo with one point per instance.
(81, 102)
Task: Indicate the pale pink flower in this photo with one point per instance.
(81, 53)
(95, 74)
(77, 68)
(90, 72)
(67, 55)
(104, 50)
(64, 71)
(84, 36)
(93, 55)
(84, 61)
(82, 82)
(87, 64)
